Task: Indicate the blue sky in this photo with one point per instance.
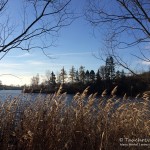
(75, 46)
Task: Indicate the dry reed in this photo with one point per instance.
(84, 123)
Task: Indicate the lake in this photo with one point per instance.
(5, 94)
(10, 92)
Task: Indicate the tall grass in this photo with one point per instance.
(85, 123)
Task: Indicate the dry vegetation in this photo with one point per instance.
(52, 122)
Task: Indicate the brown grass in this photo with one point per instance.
(86, 123)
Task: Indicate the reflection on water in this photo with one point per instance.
(10, 94)
(4, 94)
(10, 91)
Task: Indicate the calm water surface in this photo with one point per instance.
(9, 93)
(5, 94)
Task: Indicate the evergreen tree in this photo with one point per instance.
(72, 74)
(118, 75)
(92, 76)
(82, 74)
(77, 76)
(58, 79)
(52, 78)
(87, 76)
(110, 68)
(63, 75)
(117, 78)
(122, 75)
(98, 77)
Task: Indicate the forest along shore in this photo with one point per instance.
(105, 78)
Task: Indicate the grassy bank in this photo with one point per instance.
(50, 123)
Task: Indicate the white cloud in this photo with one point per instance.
(10, 65)
(69, 54)
(8, 79)
(20, 56)
(145, 62)
(33, 62)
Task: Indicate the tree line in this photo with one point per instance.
(106, 77)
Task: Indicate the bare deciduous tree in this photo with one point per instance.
(39, 19)
(123, 18)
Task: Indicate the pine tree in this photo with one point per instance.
(82, 74)
(98, 77)
(122, 74)
(63, 75)
(72, 74)
(92, 76)
(87, 76)
(110, 68)
(77, 76)
(52, 78)
(118, 74)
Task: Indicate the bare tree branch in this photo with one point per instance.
(122, 18)
(49, 17)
